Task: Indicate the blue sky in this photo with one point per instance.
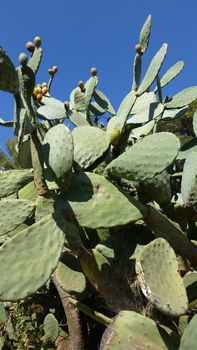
(78, 34)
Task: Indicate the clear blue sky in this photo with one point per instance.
(79, 34)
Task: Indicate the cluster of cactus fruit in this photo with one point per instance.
(97, 211)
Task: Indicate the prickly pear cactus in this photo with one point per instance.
(98, 223)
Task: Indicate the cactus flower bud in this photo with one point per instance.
(23, 59)
(138, 48)
(81, 84)
(37, 41)
(93, 71)
(55, 69)
(30, 46)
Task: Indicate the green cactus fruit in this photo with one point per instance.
(183, 98)
(114, 136)
(153, 69)
(12, 180)
(90, 143)
(95, 201)
(58, 152)
(103, 101)
(189, 180)
(158, 259)
(51, 329)
(145, 34)
(9, 78)
(70, 276)
(13, 213)
(162, 226)
(51, 108)
(130, 330)
(188, 339)
(146, 158)
(29, 258)
(23, 59)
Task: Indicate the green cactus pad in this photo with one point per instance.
(153, 69)
(9, 78)
(6, 123)
(58, 150)
(142, 131)
(51, 329)
(183, 98)
(13, 213)
(95, 109)
(158, 259)
(170, 114)
(90, 143)
(78, 100)
(190, 283)
(145, 33)
(189, 180)
(162, 226)
(103, 101)
(188, 339)
(51, 108)
(35, 60)
(171, 73)
(70, 276)
(78, 118)
(90, 86)
(28, 192)
(137, 64)
(28, 259)
(12, 180)
(145, 108)
(146, 158)
(125, 108)
(95, 202)
(195, 123)
(187, 148)
(130, 330)
(158, 188)
(24, 154)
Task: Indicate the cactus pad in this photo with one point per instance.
(130, 330)
(188, 339)
(51, 329)
(70, 276)
(153, 69)
(51, 108)
(103, 101)
(90, 143)
(146, 158)
(189, 180)
(171, 73)
(145, 34)
(58, 150)
(35, 60)
(13, 213)
(95, 202)
(183, 98)
(12, 180)
(9, 78)
(30, 257)
(158, 259)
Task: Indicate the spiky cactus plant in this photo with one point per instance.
(94, 211)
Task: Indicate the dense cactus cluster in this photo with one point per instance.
(101, 212)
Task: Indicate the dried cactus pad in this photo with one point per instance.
(166, 293)
(130, 330)
(95, 203)
(89, 144)
(146, 158)
(28, 259)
